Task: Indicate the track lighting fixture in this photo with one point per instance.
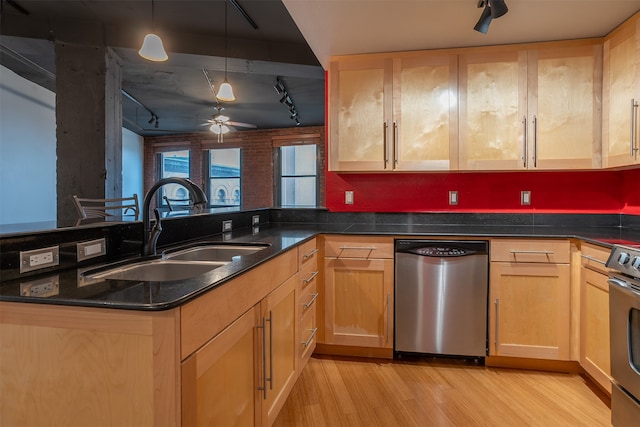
(152, 48)
(281, 89)
(157, 123)
(492, 9)
(151, 119)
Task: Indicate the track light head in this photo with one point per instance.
(485, 19)
(498, 8)
(151, 119)
(157, 123)
(279, 87)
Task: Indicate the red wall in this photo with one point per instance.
(585, 191)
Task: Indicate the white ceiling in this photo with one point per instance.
(343, 27)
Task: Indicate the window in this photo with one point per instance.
(174, 164)
(298, 178)
(224, 178)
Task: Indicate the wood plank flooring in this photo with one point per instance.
(335, 391)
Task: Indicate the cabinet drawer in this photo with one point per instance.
(307, 336)
(308, 276)
(307, 253)
(594, 257)
(307, 299)
(358, 247)
(548, 251)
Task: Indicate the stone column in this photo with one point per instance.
(89, 126)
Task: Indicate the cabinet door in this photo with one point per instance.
(530, 310)
(359, 302)
(621, 91)
(564, 110)
(594, 327)
(360, 115)
(425, 113)
(279, 350)
(493, 110)
(219, 380)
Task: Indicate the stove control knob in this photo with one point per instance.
(636, 263)
(623, 258)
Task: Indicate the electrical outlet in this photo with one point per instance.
(525, 198)
(348, 197)
(227, 225)
(255, 219)
(453, 197)
(41, 288)
(39, 258)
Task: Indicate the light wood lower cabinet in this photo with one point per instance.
(529, 310)
(358, 299)
(219, 380)
(594, 315)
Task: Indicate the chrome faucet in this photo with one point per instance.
(150, 237)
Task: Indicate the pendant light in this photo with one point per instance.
(225, 92)
(152, 48)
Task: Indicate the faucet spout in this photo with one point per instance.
(150, 237)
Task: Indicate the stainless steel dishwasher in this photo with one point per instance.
(441, 292)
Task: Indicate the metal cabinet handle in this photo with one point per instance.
(497, 325)
(310, 254)
(313, 299)
(266, 378)
(395, 144)
(533, 252)
(632, 139)
(535, 141)
(361, 248)
(590, 258)
(385, 146)
(306, 343)
(310, 278)
(388, 316)
(525, 154)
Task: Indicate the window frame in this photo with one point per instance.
(277, 161)
(208, 177)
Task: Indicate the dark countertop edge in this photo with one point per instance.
(602, 236)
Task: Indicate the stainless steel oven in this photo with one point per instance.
(624, 315)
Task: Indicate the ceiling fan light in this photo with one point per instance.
(498, 8)
(225, 129)
(152, 48)
(225, 93)
(215, 128)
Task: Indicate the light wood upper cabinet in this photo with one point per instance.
(393, 113)
(534, 107)
(493, 109)
(564, 107)
(621, 95)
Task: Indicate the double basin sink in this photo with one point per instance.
(177, 264)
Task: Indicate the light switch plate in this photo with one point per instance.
(348, 197)
(227, 225)
(91, 249)
(453, 197)
(255, 219)
(525, 198)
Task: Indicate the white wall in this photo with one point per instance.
(28, 156)
(27, 151)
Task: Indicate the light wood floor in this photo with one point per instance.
(346, 392)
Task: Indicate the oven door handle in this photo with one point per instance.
(618, 282)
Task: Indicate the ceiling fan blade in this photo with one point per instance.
(244, 125)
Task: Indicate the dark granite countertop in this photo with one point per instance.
(139, 295)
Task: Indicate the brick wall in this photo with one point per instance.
(257, 158)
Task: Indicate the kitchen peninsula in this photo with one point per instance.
(152, 340)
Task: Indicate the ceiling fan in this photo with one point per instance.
(219, 123)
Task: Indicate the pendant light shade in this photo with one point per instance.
(152, 48)
(225, 93)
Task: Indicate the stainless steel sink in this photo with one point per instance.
(213, 252)
(156, 271)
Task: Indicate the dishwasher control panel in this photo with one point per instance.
(440, 251)
(441, 248)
